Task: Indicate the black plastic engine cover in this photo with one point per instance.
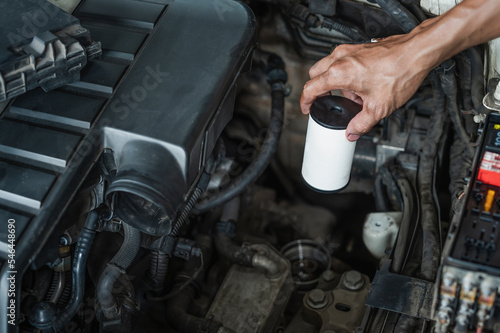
(40, 46)
(158, 98)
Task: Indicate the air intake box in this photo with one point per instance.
(158, 98)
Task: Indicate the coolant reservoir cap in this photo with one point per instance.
(334, 112)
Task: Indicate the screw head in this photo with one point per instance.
(353, 280)
(63, 240)
(316, 299)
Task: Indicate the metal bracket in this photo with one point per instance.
(400, 293)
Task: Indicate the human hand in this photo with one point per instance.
(379, 76)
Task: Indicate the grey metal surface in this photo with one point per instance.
(248, 301)
(401, 294)
(340, 310)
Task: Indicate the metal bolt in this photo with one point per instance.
(353, 280)
(64, 240)
(316, 299)
(328, 275)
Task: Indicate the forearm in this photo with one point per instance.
(383, 76)
(470, 23)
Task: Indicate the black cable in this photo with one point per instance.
(431, 250)
(85, 240)
(258, 166)
(408, 209)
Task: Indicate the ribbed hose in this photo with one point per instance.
(158, 266)
(85, 240)
(115, 268)
(66, 293)
(431, 251)
(399, 13)
(56, 287)
(257, 167)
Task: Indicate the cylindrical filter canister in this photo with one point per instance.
(328, 154)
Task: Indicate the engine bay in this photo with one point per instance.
(160, 189)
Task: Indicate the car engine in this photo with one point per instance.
(150, 174)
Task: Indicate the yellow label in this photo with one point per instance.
(496, 126)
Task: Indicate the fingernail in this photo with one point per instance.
(352, 137)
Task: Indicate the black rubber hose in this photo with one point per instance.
(83, 246)
(408, 208)
(115, 268)
(449, 85)
(399, 13)
(224, 233)
(431, 251)
(379, 194)
(477, 78)
(276, 78)
(465, 82)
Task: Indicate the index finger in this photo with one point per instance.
(327, 81)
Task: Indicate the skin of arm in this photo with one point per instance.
(382, 76)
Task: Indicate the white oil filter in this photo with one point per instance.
(328, 154)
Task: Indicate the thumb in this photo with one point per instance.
(362, 123)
